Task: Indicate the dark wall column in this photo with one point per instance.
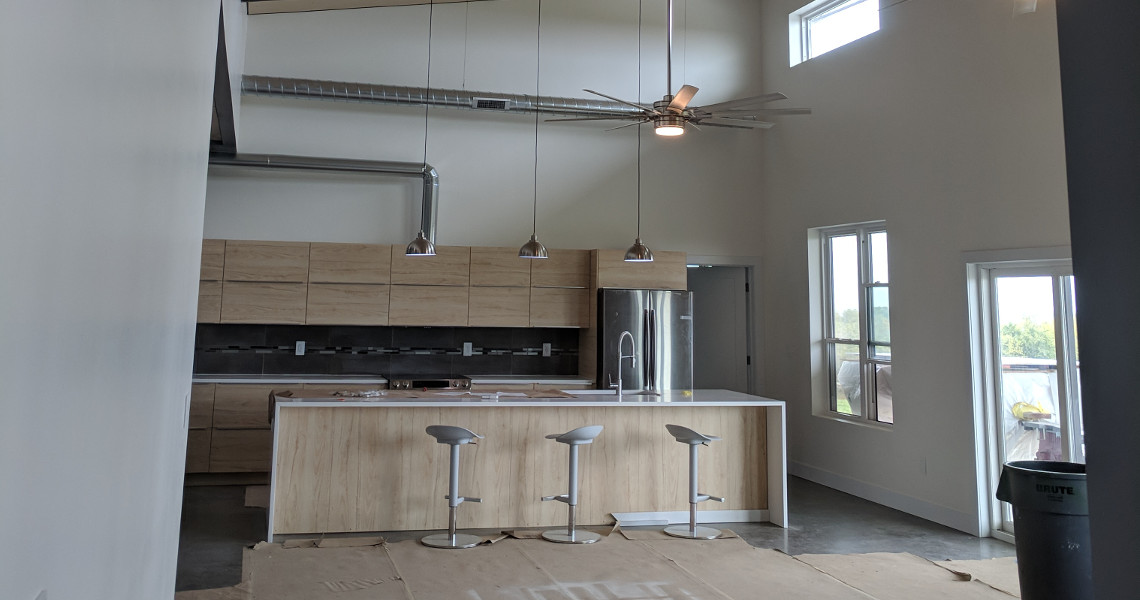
(1100, 85)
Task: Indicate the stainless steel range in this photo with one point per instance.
(428, 382)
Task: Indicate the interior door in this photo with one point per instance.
(720, 333)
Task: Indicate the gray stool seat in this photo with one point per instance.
(581, 435)
(573, 439)
(454, 437)
(694, 439)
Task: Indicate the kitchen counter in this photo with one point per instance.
(551, 380)
(365, 464)
(345, 379)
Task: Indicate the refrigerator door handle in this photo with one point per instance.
(646, 346)
(651, 359)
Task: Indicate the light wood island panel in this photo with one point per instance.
(356, 469)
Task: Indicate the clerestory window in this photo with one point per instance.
(825, 25)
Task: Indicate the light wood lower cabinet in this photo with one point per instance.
(428, 305)
(347, 304)
(499, 307)
(245, 302)
(201, 406)
(241, 450)
(198, 450)
(242, 406)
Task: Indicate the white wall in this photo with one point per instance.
(700, 194)
(946, 123)
(105, 120)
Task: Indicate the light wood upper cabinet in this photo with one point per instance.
(347, 304)
(282, 303)
(666, 272)
(201, 405)
(286, 262)
(209, 302)
(428, 305)
(559, 307)
(450, 266)
(564, 268)
(213, 259)
(499, 306)
(350, 263)
(500, 267)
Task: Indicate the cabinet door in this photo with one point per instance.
(241, 450)
(666, 272)
(213, 259)
(347, 304)
(209, 301)
(267, 261)
(564, 268)
(499, 307)
(198, 450)
(559, 307)
(201, 405)
(350, 263)
(500, 267)
(450, 266)
(242, 406)
(428, 305)
(244, 302)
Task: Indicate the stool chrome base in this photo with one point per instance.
(695, 533)
(579, 536)
(459, 540)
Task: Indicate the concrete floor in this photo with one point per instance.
(216, 526)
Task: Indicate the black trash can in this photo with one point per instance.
(1051, 525)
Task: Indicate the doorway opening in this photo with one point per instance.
(722, 327)
(1030, 370)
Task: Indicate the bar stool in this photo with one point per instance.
(575, 438)
(693, 439)
(454, 437)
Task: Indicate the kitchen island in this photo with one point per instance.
(364, 464)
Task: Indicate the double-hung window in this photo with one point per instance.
(856, 321)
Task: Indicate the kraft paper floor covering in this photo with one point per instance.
(615, 568)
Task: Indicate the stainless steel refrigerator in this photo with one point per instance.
(661, 324)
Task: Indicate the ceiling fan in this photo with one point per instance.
(670, 114)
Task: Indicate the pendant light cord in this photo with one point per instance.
(537, 89)
(639, 10)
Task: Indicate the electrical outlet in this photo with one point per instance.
(300, 351)
(546, 349)
(466, 348)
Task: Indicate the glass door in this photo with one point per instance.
(1038, 401)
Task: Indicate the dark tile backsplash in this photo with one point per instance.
(351, 350)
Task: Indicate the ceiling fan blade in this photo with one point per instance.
(681, 100)
(737, 123)
(641, 122)
(619, 100)
(743, 102)
(762, 111)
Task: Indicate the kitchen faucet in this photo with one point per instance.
(632, 356)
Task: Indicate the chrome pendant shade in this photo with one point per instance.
(533, 249)
(421, 246)
(638, 252)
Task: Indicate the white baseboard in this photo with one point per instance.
(682, 516)
(949, 517)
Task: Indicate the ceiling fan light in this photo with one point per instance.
(669, 125)
(638, 252)
(421, 246)
(533, 248)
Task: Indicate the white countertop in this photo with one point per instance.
(539, 379)
(578, 398)
(354, 379)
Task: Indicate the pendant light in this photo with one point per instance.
(421, 246)
(534, 248)
(638, 252)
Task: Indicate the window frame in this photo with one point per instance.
(799, 28)
(868, 410)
